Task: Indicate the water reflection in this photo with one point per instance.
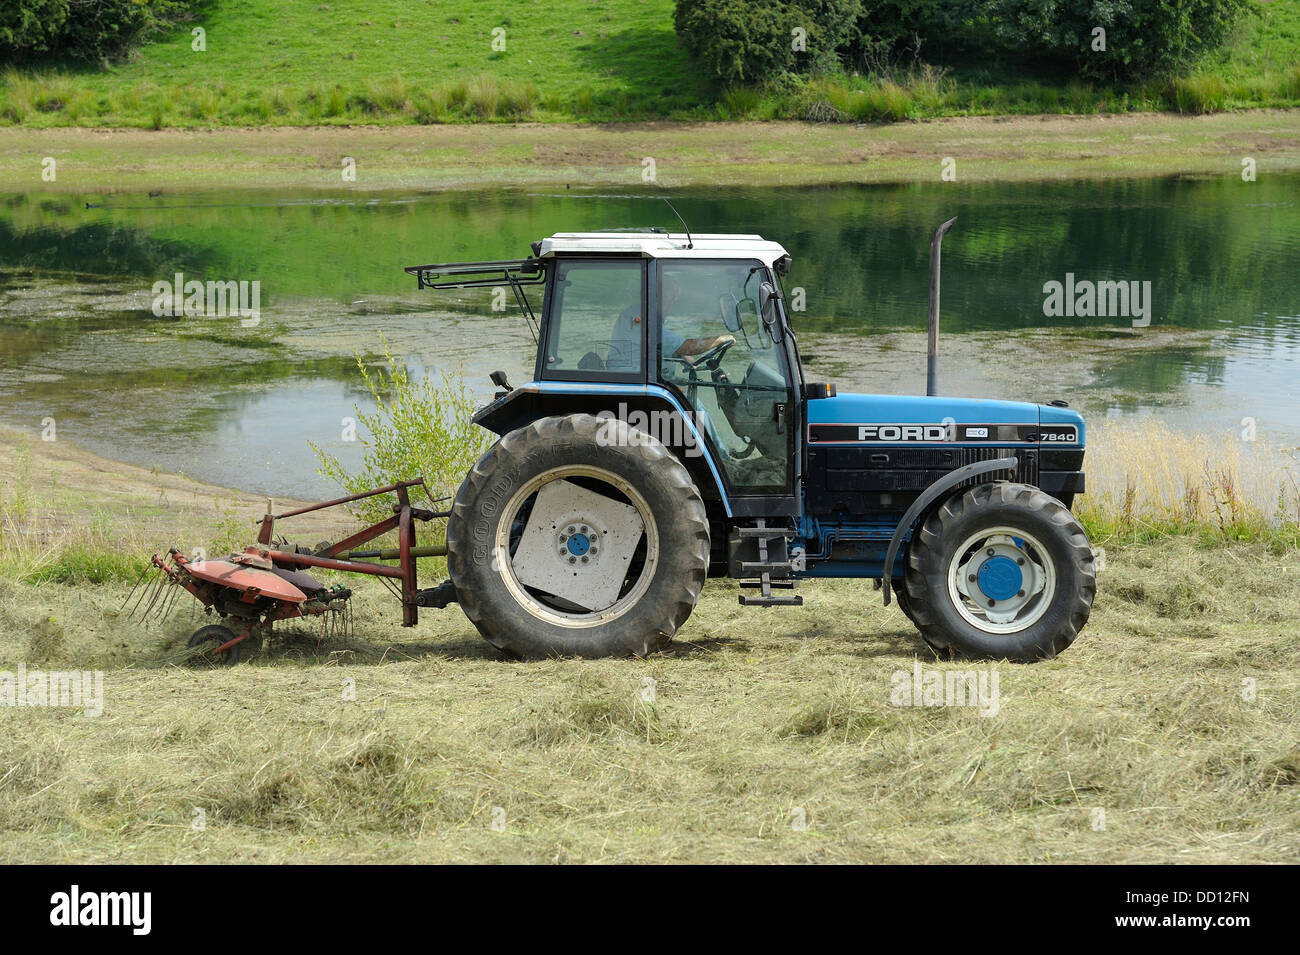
(236, 406)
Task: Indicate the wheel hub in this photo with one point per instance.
(577, 545)
(999, 578)
(1000, 581)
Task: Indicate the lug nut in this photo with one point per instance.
(571, 529)
(1021, 594)
(990, 551)
(573, 560)
(1020, 561)
(584, 560)
(971, 578)
(992, 602)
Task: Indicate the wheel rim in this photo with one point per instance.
(1001, 580)
(576, 546)
(210, 642)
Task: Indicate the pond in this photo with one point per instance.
(1212, 340)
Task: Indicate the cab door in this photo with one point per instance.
(716, 352)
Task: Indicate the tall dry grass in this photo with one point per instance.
(50, 533)
(1146, 480)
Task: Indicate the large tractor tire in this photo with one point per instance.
(1002, 571)
(578, 536)
(900, 597)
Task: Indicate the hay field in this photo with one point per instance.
(1165, 734)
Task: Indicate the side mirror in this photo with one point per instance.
(499, 379)
(730, 309)
(767, 308)
(813, 390)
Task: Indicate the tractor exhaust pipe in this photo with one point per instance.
(932, 349)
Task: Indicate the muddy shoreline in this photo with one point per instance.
(1008, 148)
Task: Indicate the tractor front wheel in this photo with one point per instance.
(1003, 571)
(578, 536)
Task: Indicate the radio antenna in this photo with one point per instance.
(690, 243)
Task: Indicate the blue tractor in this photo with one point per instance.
(668, 435)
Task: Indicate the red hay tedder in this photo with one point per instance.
(269, 581)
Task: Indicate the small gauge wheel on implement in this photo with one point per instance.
(210, 638)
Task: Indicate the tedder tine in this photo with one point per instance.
(156, 598)
(146, 601)
(143, 591)
(143, 573)
(169, 601)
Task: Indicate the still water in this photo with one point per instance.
(236, 405)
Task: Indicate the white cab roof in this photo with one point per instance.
(664, 245)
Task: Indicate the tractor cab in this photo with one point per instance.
(686, 332)
(699, 318)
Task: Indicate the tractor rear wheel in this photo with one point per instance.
(578, 536)
(1003, 571)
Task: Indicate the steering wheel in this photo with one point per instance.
(712, 357)
(709, 359)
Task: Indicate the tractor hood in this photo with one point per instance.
(913, 419)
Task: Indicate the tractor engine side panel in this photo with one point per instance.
(848, 483)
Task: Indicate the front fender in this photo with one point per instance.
(928, 497)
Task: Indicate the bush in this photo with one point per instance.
(92, 30)
(741, 42)
(1142, 38)
(31, 26)
(419, 428)
(886, 28)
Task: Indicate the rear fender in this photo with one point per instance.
(647, 407)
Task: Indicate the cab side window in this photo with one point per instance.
(597, 321)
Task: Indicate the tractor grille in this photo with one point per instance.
(1025, 473)
(865, 480)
